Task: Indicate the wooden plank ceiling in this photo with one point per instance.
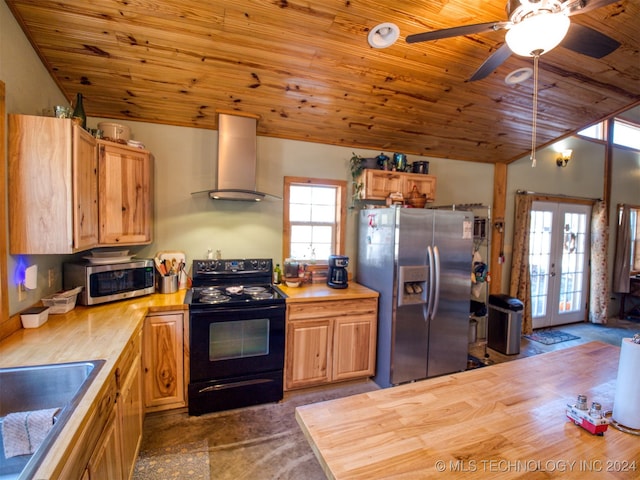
(305, 67)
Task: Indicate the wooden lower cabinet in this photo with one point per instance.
(163, 361)
(354, 347)
(108, 445)
(330, 341)
(106, 461)
(130, 413)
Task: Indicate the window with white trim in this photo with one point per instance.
(314, 218)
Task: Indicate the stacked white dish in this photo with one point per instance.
(105, 257)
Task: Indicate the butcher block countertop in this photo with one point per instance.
(318, 292)
(502, 421)
(85, 333)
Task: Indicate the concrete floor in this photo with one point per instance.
(612, 333)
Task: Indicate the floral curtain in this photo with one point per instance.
(520, 286)
(599, 291)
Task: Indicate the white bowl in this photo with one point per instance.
(292, 284)
(115, 131)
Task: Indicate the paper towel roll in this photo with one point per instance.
(626, 403)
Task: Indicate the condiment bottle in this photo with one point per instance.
(277, 274)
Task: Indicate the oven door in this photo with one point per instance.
(234, 342)
(237, 358)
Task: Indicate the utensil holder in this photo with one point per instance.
(167, 283)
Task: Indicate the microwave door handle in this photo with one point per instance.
(436, 301)
(430, 291)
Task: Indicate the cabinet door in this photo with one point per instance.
(52, 186)
(163, 364)
(423, 183)
(85, 189)
(130, 417)
(308, 353)
(124, 193)
(354, 347)
(105, 463)
(378, 184)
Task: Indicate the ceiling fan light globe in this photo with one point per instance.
(537, 34)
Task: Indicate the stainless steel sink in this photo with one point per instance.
(23, 389)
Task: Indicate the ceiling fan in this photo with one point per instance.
(534, 28)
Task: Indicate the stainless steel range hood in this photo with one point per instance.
(237, 156)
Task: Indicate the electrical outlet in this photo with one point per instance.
(52, 277)
(22, 292)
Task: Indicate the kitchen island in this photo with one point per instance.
(502, 421)
(86, 333)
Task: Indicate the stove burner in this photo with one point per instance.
(214, 299)
(262, 295)
(255, 290)
(210, 291)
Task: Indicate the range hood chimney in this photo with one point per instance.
(237, 155)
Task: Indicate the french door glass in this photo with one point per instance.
(558, 261)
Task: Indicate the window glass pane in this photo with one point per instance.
(300, 194)
(301, 234)
(323, 214)
(299, 213)
(626, 134)
(324, 196)
(594, 131)
(322, 234)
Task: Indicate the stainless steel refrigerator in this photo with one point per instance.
(419, 260)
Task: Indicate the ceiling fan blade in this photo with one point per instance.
(588, 41)
(456, 31)
(589, 5)
(496, 59)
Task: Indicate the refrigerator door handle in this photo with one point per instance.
(436, 301)
(430, 291)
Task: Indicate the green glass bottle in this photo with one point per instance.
(277, 275)
(78, 111)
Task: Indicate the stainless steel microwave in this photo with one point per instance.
(108, 282)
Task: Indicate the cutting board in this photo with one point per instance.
(174, 258)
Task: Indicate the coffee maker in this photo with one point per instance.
(338, 277)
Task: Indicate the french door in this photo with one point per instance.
(559, 249)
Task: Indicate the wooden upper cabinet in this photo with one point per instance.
(379, 184)
(124, 186)
(425, 184)
(53, 195)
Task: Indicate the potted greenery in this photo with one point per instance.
(356, 166)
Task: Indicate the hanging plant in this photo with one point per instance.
(356, 165)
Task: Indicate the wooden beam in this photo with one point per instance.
(496, 263)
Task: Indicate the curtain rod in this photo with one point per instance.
(559, 195)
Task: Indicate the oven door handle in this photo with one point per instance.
(195, 310)
(243, 383)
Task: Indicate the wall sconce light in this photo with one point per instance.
(564, 158)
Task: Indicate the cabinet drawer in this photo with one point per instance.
(332, 309)
(129, 355)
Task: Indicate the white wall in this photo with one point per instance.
(29, 89)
